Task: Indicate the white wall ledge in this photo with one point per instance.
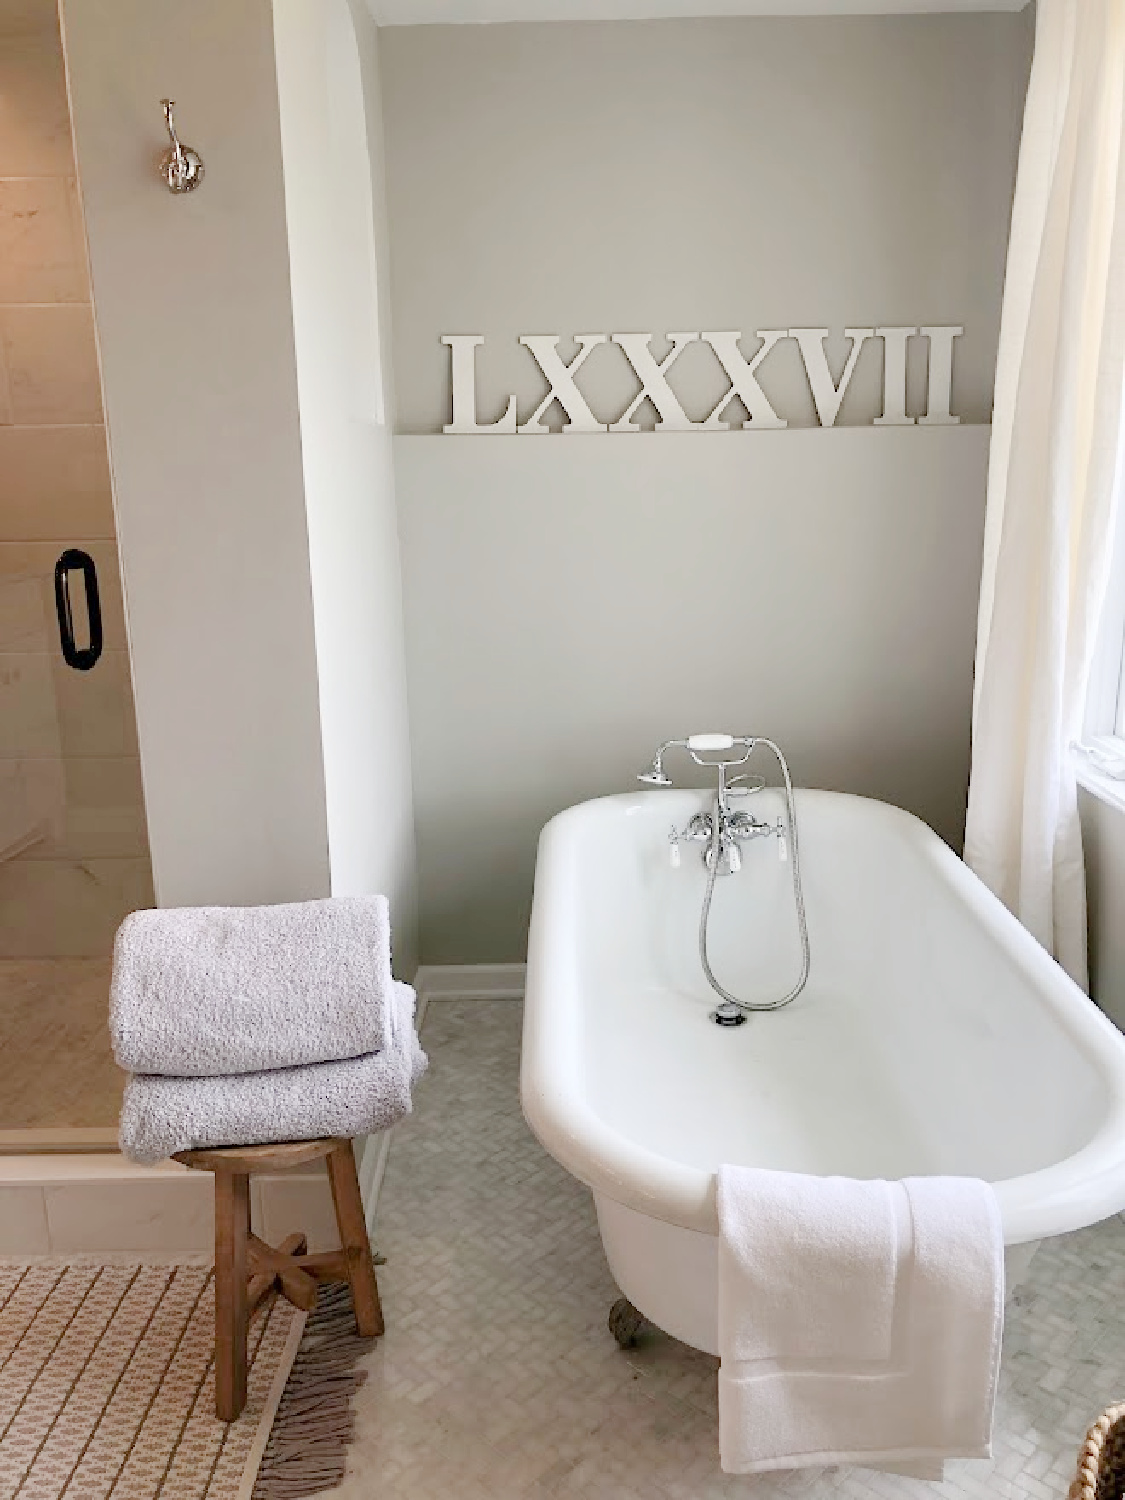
(1105, 788)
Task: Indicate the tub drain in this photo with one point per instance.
(728, 1015)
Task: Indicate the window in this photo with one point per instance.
(1103, 743)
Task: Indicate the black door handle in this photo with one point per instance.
(81, 658)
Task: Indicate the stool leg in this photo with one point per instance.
(232, 1228)
(344, 1182)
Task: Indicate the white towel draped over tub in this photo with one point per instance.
(203, 991)
(859, 1322)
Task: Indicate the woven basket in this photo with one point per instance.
(1101, 1463)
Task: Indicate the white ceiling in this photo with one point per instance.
(429, 12)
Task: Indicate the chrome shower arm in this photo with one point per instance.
(697, 746)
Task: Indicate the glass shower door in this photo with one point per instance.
(73, 844)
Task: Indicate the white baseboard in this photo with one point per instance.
(470, 981)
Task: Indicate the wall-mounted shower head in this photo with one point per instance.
(697, 746)
(656, 774)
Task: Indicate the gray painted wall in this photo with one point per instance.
(571, 602)
(702, 174)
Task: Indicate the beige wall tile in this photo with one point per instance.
(52, 363)
(141, 1215)
(75, 809)
(41, 255)
(29, 714)
(101, 809)
(33, 804)
(34, 563)
(68, 908)
(95, 708)
(34, 117)
(18, 17)
(54, 483)
(5, 389)
(23, 1221)
(24, 621)
(78, 234)
(50, 709)
(299, 1203)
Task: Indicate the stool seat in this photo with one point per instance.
(277, 1156)
(247, 1269)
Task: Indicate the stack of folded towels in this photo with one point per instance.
(244, 1025)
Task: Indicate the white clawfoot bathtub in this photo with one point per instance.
(934, 1036)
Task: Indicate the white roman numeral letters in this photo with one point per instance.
(671, 416)
(941, 377)
(743, 381)
(464, 347)
(828, 394)
(545, 346)
(894, 377)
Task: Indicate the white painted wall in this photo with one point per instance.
(572, 601)
(1103, 837)
(196, 336)
(251, 464)
(331, 133)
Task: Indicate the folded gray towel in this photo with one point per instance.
(202, 991)
(355, 1097)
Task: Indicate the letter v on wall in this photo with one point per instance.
(829, 396)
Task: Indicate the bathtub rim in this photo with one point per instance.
(1082, 1189)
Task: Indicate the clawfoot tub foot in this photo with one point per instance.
(625, 1322)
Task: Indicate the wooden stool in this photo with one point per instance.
(246, 1268)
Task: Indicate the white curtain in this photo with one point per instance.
(1053, 474)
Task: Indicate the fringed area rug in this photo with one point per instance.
(107, 1385)
(308, 1447)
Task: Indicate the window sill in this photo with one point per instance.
(1105, 788)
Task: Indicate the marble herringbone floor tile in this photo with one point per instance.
(498, 1380)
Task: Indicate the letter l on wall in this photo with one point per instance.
(464, 357)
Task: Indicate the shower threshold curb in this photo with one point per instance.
(69, 1192)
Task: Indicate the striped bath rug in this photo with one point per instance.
(107, 1385)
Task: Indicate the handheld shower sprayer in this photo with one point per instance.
(656, 775)
(723, 831)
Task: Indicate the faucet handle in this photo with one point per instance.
(674, 847)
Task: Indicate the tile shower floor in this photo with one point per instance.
(56, 1067)
(497, 1377)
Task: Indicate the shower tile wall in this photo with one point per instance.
(73, 850)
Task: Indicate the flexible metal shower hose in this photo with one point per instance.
(798, 900)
